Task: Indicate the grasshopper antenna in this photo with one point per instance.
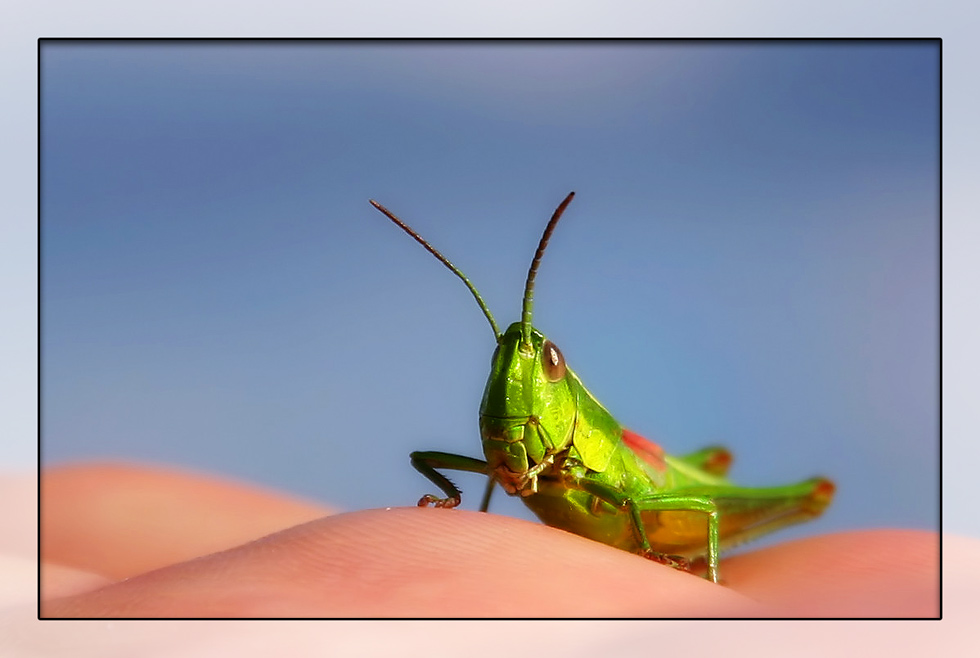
(533, 271)
(445, 261)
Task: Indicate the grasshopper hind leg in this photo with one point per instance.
(664, 502)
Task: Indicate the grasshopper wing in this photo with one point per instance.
(650, 454)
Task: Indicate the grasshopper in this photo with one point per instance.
(548, 440)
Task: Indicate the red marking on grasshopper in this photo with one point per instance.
(645, 449)
(824, 491)
(719, 462)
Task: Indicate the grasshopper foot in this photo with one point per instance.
(675, 561)
(699, 565)
(448, 503)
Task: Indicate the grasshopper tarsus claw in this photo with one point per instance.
(429, 499)
(676, 561)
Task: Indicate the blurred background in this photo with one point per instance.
(752, 257)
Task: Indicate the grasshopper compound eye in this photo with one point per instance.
(552, 361)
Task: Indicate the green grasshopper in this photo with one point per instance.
(549, 441)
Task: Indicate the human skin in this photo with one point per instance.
(121, 540)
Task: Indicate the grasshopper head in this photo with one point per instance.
(528, 409)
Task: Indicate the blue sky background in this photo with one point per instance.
(751, 258)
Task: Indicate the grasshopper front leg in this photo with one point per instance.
(485, 503)
(427, 462)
